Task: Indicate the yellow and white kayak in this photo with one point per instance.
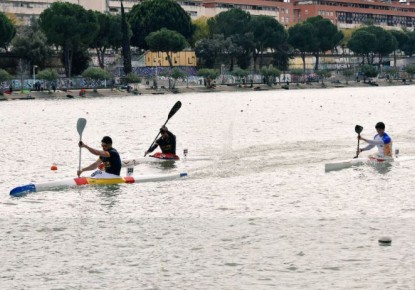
(82, 181)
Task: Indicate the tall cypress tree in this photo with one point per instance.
(126, 50)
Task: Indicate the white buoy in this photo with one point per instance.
(385, 241)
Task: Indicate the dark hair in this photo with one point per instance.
(106, 140)
(380, 125)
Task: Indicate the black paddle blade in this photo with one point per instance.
(175, 108)
(358, 129)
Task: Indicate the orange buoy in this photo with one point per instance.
(54, 167)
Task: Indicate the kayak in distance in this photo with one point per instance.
(83, 181)
(372, 160)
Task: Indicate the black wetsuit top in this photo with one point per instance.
(166, 146)
(113, 163)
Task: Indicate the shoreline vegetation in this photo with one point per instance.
(145, 90)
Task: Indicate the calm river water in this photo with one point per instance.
(262, 214)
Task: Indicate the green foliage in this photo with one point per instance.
(132, 78)
(201, 30)
(4, 75)
(153, 15)
(7, 30)
(31, 45)
(372, 40)
(80, 61)
(48, 75)
(267, 33)
(401, 38)
(369, 71)
(208, 50)
(230, 22)
(96, 73)
(166, 40)
(410, 69)
(108, 35)
(409, 46)
(208, 73)
(126, 38)
(240, 72)
(69, 26)
(302, 36)
(177, 73)
(270, 73)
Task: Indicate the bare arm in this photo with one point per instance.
(90, 167)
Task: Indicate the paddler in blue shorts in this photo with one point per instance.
(167, 143)
(382, 140)
(108, 156)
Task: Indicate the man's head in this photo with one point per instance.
(380, 128)
(106, 142)
(163, 132)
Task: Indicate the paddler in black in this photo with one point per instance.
(108, 156)
(167, 142)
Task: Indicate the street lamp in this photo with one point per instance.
(34, 74)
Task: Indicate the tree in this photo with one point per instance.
(401, 39)
(240, 73)
(96, 74)
(108, 35)
(270, 74)
(209, 49)
(364, 43)
(324, 73)
(410, 70)
(208, 75)
(409, 46)
(70, 27)
(238, 42)
(385, 42)
(302, 36)
(167, 41)
(153, 15)
(31, 45)
(369, 71)
(268, 33)
(201, 30)
(297, 73)
(4, 76)
(327, 34)
(176, 74)
(126, 37)
(49, 75)
(7, 31)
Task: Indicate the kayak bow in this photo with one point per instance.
(73, 182)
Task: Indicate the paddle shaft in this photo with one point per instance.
(358, 149)
(80, 126)
(173, 111)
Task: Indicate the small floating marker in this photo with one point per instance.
(385, 241)
(242, 110)
(54, 167)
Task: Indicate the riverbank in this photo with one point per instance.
(143, 90)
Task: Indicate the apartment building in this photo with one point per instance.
(343, 13)
(353, 13)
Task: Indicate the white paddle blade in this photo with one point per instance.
(80, 126)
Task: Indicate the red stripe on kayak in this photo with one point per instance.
(129, 179)
(81, 181)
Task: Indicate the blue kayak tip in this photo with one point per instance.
(23, 190)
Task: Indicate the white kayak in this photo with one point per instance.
(82, 181)
(370, 160)
(151, 159)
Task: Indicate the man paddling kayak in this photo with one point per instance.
(167, 143)
(381, 140)
(108, 156)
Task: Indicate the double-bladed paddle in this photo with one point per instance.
(80, 126)
(358, 129)
(173, 111)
